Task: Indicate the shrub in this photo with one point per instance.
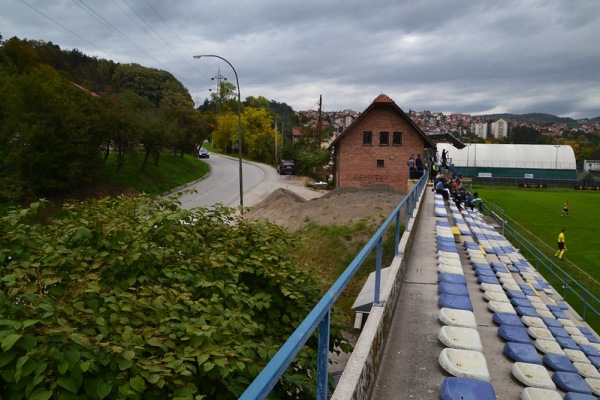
(136, 298)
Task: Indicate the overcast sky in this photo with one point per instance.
(469, 56)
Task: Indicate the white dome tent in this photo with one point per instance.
(528, 161)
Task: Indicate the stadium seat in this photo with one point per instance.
(520, 352)
(533, 375)
(571, 382)
(466, 389)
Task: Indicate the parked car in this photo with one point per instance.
(203, 153)
(286, 167)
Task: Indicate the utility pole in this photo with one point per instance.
(319, 123)
(219, 78)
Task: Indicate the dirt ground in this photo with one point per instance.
(338, 207)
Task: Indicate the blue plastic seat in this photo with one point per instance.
(529, 291)
(552, 322)
(455, 301)
(559, 362)
(447, 248)
(567, 343)
(528, 311)
(484, 272)
(579, 396)
(471, 245)
(481, 265)
(454, 388)
(514, 334)
(589, 350)
(520, 302)
(453, 288)
(558, 331)
(452, 278)
(559, 314)
(516, 293)
(571, 382)
(591, 338)
(595, 360)
(507, 319)
(488, 279)
(522, 352)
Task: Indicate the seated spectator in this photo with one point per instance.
(441, 189)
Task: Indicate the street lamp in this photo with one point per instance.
(237, 81)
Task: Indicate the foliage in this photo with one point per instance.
(310, 155)
(137, 298)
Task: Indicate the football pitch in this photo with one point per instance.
(539, 212)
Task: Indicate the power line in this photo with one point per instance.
(66, 29)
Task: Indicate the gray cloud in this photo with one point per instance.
(452, 56)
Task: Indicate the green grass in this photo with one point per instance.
(535, 213)
(173, 171)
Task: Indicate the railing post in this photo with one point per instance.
(323, 357)
(376, 299)
(397, 239)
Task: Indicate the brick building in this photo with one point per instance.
(375, 148)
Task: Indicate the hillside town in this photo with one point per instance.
(457, 124)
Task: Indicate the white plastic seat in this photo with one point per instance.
(533, 393)
(455, 317)
(533, 321)
(491, 287)
(496, 296)
(460, 338)
(464, 364)
(450, 269)
(511, 286)
(566, 322)
(580, 339)
(450, 261)
(594, 384)
(587, 370)
(540, 333)
(548, 346)
(448, 254)
(535, 299)
(545, 313)
(534, 375)
(497, 306)
(577, 356)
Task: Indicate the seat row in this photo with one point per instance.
(462, 356)
(552, 353)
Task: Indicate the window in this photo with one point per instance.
(397, 139)
(384, 138)
(379, 163)
(367, 138)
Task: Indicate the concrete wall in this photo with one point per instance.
(362, 366)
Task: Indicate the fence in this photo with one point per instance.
(570, 289)
(319, 317)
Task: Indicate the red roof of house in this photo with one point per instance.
(384, 99)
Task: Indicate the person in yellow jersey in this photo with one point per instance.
(565, 209)
(561, 245)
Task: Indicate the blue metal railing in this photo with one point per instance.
(321, 313)
(584, 301)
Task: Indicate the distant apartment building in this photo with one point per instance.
(480, 129)
(500, 129)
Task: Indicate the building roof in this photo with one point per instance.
(446, 137)
(384, 101)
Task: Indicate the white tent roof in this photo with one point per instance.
(538, 156)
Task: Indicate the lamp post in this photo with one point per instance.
(237, 81)
(468, 148)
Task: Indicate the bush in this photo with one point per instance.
(137, 298)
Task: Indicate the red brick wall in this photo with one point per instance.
(356, 164)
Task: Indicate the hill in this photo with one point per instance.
(535, 118)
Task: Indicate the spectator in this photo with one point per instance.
(419, 165)
(441, 189)
(412, 168)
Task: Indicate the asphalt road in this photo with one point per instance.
(222, 185)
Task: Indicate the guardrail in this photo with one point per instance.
(319, 317)
(576, 294)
